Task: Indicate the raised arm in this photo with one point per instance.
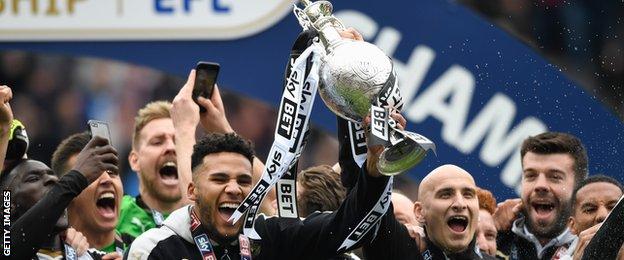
(37, 224)
(323, 235)
(6, 118)
(185, 115)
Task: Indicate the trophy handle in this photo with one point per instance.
(318, 16)
(302, 18)
(407, 150)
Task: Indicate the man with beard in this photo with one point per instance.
(153, 158)
(95, 211)
(39, 199)
(163, 139)
(593, 200)
(222, 167)
(448, 208)
(553, 164)
(186, 116)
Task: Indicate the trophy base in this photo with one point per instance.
(401, 157)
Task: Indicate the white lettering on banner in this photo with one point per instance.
(287, 205)
(370, 219)
(448, 100)
(137, 19)
(379, 128)
(286, 159)
(357, 139)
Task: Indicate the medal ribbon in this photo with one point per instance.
(202, 241)
(292, 125)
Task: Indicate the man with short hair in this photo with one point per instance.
(593, 200)
(95, 212)
(222, 167)
(153, 158)
(39, 199)
(553, 164)
(448, 208)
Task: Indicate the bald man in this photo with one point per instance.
(448, 207)
(403, 209)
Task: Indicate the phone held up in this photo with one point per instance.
(205, 79)
(99, 128)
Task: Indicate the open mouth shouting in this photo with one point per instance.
(457, 224)
(544, 210)
(226, 209)
(106, 205)
(169, 173)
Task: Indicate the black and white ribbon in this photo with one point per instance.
(292, 124)
(371, 219)
(384, 129)
(286, 189)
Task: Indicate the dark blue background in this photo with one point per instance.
(499, 63)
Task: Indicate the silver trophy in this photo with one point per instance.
(355, 75)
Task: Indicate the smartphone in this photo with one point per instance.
(99, 128)
(205, 79)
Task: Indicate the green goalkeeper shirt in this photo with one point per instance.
(136, 217)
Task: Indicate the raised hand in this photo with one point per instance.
(96, 158)
(351, 33)
(185, 112)
(112, 256)
(584, 237)
(505, 214)
(77, 241)
(214, 119)
(6, 114)
(374, 151)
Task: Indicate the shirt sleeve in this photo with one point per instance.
(320, 235)
(347, 163)
(37, 224)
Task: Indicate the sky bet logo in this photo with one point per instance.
(288, 107)
(203, 244)
(286, 118)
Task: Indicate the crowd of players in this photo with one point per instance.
(188, 189)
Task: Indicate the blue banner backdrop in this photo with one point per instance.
(470, 87)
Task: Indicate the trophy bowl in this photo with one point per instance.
(351, 76)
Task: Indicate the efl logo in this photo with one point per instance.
(138, 19)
